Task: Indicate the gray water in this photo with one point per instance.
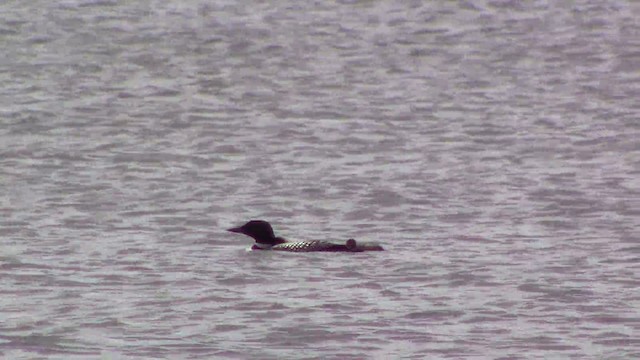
(493, 147)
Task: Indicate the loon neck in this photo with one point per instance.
(261, 246)
(266, 245)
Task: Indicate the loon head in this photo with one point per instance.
(260, 230)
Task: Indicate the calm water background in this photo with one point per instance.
(493, 147)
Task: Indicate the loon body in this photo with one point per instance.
(262, 232)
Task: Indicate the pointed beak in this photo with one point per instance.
(236, 229)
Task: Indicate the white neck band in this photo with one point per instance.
(262, 246)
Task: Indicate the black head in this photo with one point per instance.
(260, 230)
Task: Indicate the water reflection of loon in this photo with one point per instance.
(262, 233)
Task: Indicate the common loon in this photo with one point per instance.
(262, 232)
